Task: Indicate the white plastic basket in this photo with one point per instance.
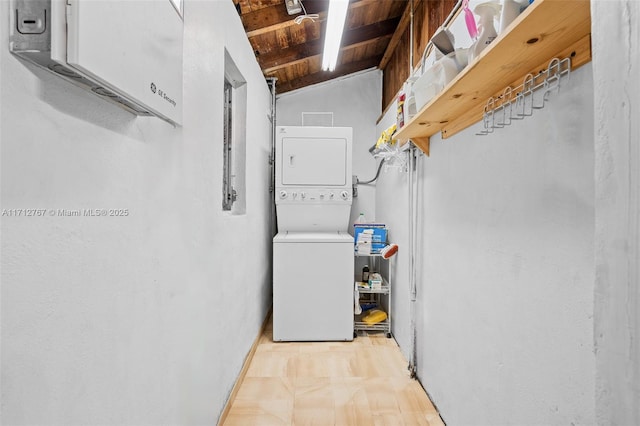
(436, 77)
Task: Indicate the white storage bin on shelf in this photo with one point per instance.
(437, 76)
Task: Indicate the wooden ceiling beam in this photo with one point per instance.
(322, 76)
(397, 36)
(281, 25)
(357, 36)
(268, 71)
(275, 17)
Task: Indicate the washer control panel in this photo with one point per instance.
(313, 195)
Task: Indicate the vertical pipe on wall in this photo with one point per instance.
(410, 39)
(412, 322)
(271, 81)
(413, 202)
(414, 221)
(412, 260)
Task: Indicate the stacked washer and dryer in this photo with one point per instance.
(313, 251)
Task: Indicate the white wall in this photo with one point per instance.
(529, 254)
(144, 319)
(506, 288)
(355, 102)
(617, 230)
(505, 267)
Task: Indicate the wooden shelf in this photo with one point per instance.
(546, 29)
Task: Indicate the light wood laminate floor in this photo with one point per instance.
(364, 382)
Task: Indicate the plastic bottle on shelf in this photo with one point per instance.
(488, 12)
(365, 274)
(510, 11)
(400, 110)
(361, 219)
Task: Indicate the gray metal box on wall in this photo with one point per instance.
(127, 52)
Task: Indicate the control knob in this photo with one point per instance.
(344, 195)
(283, 194)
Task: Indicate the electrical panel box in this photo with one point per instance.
(127, 52)
(293, 7)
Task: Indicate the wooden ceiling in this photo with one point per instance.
(293, 52)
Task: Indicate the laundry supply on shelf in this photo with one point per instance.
(375, 280)
(369, 238)
(374, 316)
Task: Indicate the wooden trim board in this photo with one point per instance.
(243, 371)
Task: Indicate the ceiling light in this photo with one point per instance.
(333, 35)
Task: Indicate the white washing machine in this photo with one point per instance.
(313, 252)
(313, 286)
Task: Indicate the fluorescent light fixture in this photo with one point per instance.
(333, 35)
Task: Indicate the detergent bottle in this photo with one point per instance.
(487, 12)
(510, 11)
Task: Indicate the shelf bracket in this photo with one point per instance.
(422, 143)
